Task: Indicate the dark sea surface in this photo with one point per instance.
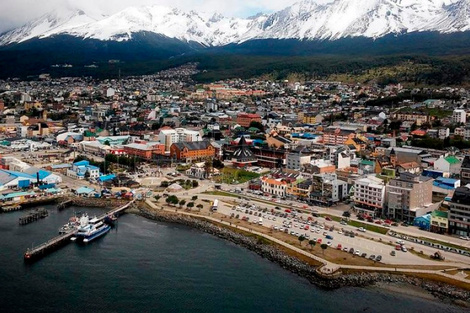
(145, 266)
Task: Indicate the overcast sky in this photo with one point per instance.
(14, 13)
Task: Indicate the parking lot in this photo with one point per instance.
(323, 231)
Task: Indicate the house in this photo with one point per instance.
(245, 119)
(448, 164)
(409, 167)
(190, 151)
(82, 169)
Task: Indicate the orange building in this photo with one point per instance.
(192, 150)
(244, 119)
(144, 151)
(337, 136)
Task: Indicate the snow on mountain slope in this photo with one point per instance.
(303, 20)
(58, 21)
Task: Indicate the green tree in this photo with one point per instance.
(301, 239)
(199, 206)
(190, 205)
(311, 243)
(157, 197)
(323, 246)
(182, 202)
(256, 124)
(195, 184)
(172, 200)
(106, 143)
(194, 198)
(164, 184)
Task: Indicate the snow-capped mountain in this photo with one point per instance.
(303, 20)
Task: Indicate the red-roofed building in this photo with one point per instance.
(245, 119)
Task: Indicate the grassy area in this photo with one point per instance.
(220, 193)
(235, 176)
(450, 245)
(376, 229)
(334, 218)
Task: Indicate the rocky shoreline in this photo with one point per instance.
(294, 265)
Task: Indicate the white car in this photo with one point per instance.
(340, 232)
(464, 237)
(361, 229)
(328, 243)
(400, 242)
(357, 252)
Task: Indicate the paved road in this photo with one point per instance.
(362, 244)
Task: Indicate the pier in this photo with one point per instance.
(10, 208)
(33, 216)
(56, 242)
(64, 204)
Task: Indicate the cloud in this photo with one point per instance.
(15, 13)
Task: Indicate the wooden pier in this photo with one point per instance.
(64, 204)
(56, 242)
(10, 208)
(33, 216)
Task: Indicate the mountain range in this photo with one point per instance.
(147, 38)
(305, 20)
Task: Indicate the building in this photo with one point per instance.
(459, 116)
(337, 136)
(369, 195)
(171, 136)
(190, 151)
(82, 169)
(448, 164)
(459, 212)
(144, 151)
(465, 171)
(439, 222)
(409, 196)
(296, 160)
(277, 187)
(245, 119)
(243, 156)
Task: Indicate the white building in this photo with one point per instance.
(369, 195)
(273, 186)
(171, 136)
(459, 116)
(443, 133)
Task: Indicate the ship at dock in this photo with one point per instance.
(90, 229)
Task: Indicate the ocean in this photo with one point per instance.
(147, 266)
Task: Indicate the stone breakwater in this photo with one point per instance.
(303, 269)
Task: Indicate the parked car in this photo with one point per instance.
(351, 250)
(339, 246)
(378, 258)
(372, 257)
(393, 253)
(361, 229)
(329, 237)
(403, 248)
(364, 255)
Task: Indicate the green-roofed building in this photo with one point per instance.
(449, 164)
(439, 222)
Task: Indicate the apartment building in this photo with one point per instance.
(459, 212)
(409, 196)
(459, 116)
(369, 195)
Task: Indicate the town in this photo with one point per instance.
(378, 159)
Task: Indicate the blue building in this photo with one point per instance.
(423, 222)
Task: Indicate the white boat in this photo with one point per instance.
(90, 229)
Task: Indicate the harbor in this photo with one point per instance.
(53, 244)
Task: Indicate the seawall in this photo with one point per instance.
(295, 265)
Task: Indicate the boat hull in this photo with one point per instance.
(97, 234)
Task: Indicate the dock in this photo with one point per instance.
(39, 251)
(33, 216)
(64, 204)
(10, 208)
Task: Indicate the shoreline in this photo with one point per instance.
(417, 286)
